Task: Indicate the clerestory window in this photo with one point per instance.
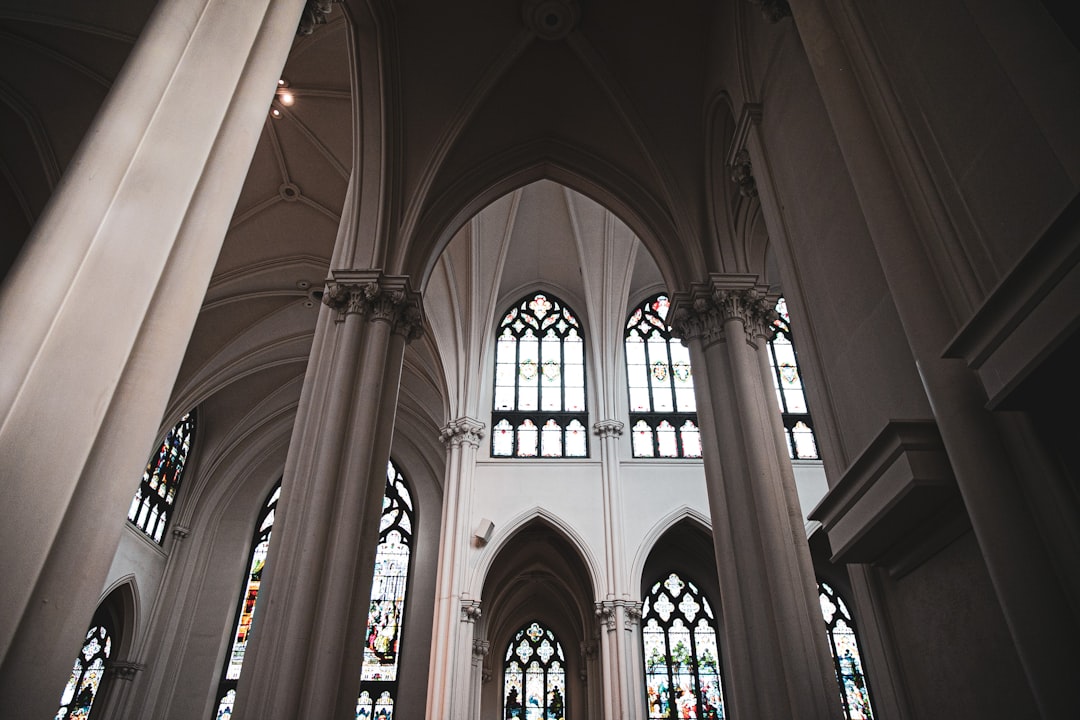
(539, 403)
(151, 507)
(682, 652)
(663, 412)
(798, 427)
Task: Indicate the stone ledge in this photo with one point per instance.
(888, 502)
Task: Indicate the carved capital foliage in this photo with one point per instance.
(702, 313)
(379, 298)
(480, 648)
(605, 611)
(470, 610)
(608, 611)
(316, 12)
(773, 10)
(464, 430)
(742, 174)
(180, 532)
(608, 428)
(123, 669)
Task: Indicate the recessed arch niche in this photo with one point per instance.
(538, 576)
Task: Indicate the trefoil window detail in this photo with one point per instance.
(539, 400)
(682, 652)
(663, 412)
(534, 675)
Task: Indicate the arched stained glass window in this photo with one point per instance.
(539, 404)
(84, 683)
(386, 611)
(798, 427)
(245, 613)
(682, 652)
(854, 692)
(534, 675)
(154, 499)
(663, 412)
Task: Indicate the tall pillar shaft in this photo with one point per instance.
(1037, 610)
(449, 685)
(98, 310)
(776, 658)
(305, 659)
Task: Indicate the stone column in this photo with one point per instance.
(1040, 617)
(304, 660)
(119, 675)
(97, 312)
(480, 651)
(465, 680)
(774, 644)
(462, 438)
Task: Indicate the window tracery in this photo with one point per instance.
(534, 675)
(844, 646)
(787, 380)
(663, 411)
(84, 684)
(539, 400)
(245, 613)
(153, 501)
(682, 652)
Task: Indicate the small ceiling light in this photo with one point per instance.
(286, 98)
(283, 83)
(275, 113)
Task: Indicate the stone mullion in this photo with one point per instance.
(778, 667)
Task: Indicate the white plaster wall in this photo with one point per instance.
(140, 557)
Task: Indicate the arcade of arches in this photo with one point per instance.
(529, 254)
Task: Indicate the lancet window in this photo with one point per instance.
(682, 652)
(84, 684)
(663, 412)
(153, 501)
(854, 692)
(534, 675)
(386, 611)
(539, 404)
(798, 427)
(245, 613)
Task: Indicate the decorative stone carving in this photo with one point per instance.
(608, 428)
(480, 648)
(742, 174)
(551, 19)
(315, 13)
(605, 611)
(123, 669)
(588, 652)
(379, 298)
(773, 10)
(608, 610)
(707, 312)
(180, 532)
(633, 614)
(470, 610)
(464, 430)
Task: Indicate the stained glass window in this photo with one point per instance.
(84, 684)
(154, 499)
(663, 412)
(539, 403)
(386, 611)
(534, 675)
(245, 613)
(854, 693)
(682, 652)
(798, 427)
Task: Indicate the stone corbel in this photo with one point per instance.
(123, 669)
(180, 532)
(608, 428)
(470, 611)
(464, 430)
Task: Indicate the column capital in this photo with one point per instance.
(180, 532)
(464, 430)
(379, 297)
(124, 669)
(701, 312)
(470, 611)
(480, 648)
(605, 612)
(773, 10)
(608, 428)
